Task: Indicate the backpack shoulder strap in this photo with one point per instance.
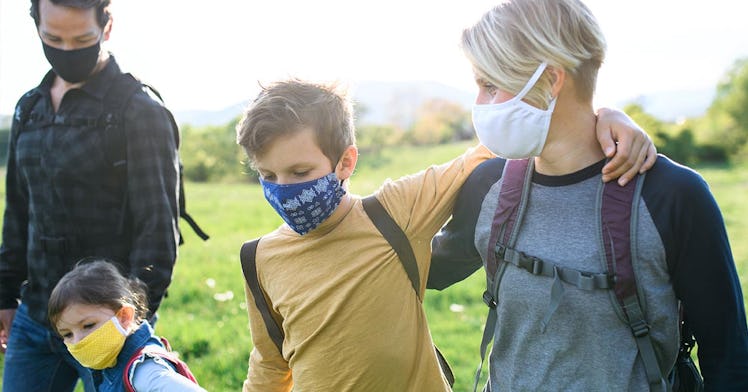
(23, 112)
(395, 237)
(619, 211)
(248, 256)
(399, 242)
(156, 351)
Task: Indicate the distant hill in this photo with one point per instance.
(397, 102)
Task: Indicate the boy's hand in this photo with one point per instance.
(631, 149)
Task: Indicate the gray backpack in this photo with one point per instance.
(617, 217)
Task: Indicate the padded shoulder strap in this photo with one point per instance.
(156, 351)
(619, 207)
(248, 256)
(396, 238)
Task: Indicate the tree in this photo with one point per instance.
(440, 121)
(728, 114)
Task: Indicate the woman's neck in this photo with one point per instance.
(572, 141)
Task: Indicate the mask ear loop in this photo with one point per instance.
(534, 79)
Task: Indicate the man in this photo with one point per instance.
(81, 181)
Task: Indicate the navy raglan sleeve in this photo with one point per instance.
(454, 256)
(152, 186)
(702, 271)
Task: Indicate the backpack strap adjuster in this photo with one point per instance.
(489, 300)
(640, 328)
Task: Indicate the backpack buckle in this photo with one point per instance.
(640, 328)
(489, 300)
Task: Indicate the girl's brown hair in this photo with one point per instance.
(97, 281)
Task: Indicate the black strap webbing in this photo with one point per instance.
(249, 267)
(396, 237)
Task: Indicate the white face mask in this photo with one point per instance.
(514, 129)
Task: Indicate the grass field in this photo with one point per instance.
(204, 316)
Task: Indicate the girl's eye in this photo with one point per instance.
(67, 335)
(89, 325)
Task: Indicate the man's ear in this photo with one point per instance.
(347, 163)
(108, 28)
(126, 317)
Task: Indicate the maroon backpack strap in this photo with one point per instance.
(505, 218)
(156, 351)
(619, 207)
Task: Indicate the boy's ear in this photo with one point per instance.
(347, 163)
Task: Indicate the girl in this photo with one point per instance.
(100, 316)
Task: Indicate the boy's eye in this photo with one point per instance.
(301, 173)
(268, 177)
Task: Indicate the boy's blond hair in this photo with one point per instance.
(508, 43)
(285, 107)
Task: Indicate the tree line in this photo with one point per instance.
(720, 135)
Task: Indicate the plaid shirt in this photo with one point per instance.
(66, 199)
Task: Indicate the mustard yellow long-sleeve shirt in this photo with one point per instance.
(351, 319)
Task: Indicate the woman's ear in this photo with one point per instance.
(126, 317)
(347, 163)
(558, 78)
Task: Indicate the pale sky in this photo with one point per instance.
(211, 54)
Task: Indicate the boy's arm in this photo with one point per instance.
(268, 370)
(630, 148)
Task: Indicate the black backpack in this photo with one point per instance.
(111, 121)
(389, 230)
(617, 214)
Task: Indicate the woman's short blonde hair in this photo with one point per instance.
(510, 41)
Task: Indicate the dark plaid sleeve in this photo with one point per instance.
(13, 250)
(152, 182)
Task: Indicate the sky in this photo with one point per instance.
(210, 55)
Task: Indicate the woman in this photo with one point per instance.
(536, 63)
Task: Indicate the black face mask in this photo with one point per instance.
(74, 65)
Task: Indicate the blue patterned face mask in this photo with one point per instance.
(307, 204)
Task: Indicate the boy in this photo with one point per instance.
(350, 316)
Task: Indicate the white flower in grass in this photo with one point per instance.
(456, 308)
(223, 297)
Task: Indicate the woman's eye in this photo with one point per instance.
(490, 89)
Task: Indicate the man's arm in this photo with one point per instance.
(152, 189)
(13, 267)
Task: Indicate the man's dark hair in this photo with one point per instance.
(102, 8)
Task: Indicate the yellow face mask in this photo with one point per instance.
(100, 348)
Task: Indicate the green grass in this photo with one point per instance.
(208, 325)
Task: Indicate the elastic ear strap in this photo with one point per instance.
(531, 83)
